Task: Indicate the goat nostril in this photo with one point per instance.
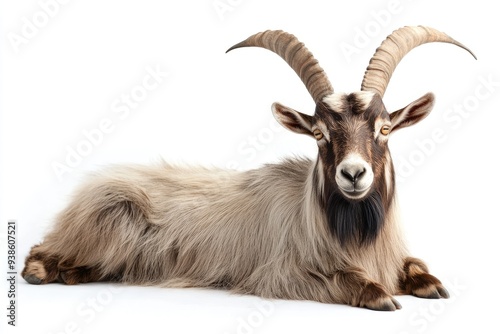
(347, 175)
(353, 178)
(359, 173)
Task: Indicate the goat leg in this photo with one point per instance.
(417, 281)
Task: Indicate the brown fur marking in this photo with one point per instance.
(417, 281)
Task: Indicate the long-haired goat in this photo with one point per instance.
(324, 230)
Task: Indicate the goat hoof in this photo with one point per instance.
(374, 297)
(443, 292)
(32, 279)
(432, 292)
(427, 286)
(384, 304)
(34, 273)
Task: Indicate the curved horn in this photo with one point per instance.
(300, 59)
(394, 48)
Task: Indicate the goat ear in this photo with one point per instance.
(292, 119)
(412, 113)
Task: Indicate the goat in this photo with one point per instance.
(324, 230)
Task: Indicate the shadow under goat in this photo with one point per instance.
(324, 230)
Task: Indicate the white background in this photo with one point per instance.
(66, 77)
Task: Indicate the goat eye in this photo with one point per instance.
(385, 130)
(317, 134)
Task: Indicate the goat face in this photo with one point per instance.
(352, 131)
(354, 176)
(354, 172)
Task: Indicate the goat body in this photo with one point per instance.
(323, 230)
(181, 227)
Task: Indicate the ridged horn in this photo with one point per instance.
(300, 59)
(393, 49)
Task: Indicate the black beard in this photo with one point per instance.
(355, 221)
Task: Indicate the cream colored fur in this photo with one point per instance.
(260, 232)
